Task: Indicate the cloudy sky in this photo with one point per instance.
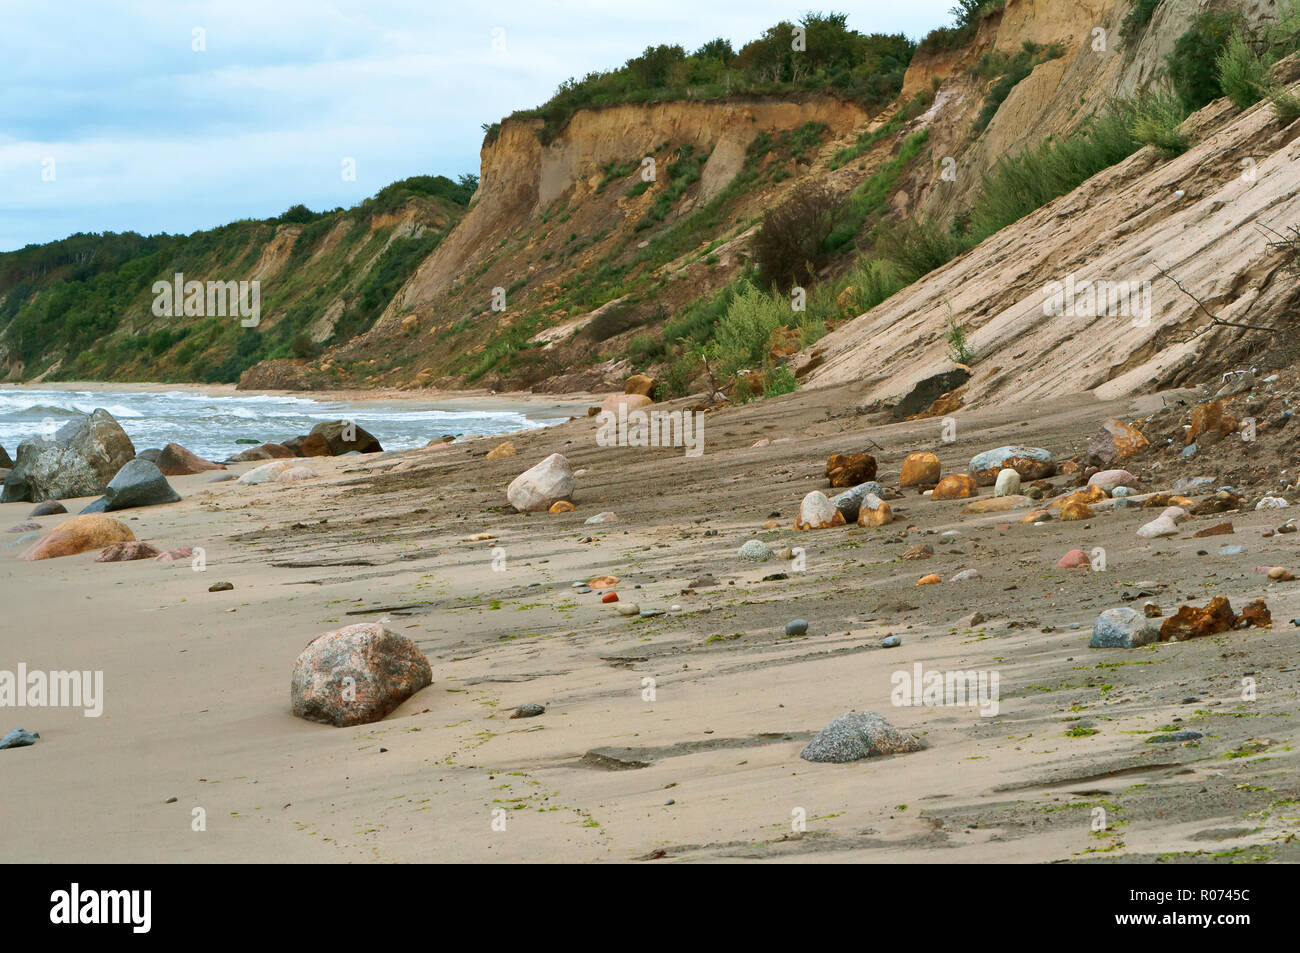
(166, 115)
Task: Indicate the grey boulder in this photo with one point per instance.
(79, 460)
(139, 483)
(1122, 628)
(858, 735)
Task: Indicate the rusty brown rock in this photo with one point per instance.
(175, 460)
(506, 449)
(956, 486)
(561, 506)
(919, 469)
(77, 535)
(1074, 510)
(1190, 622)
(1114, 443)
(848, 470)
(356, 675)
(1210, 424)
(1256, 614)
(1220, 529)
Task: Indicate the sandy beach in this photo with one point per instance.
(668, 738)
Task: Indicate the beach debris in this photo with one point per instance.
(817, 512)
(955, 486)
(850, 469)
(919, 469)
(857, 735)
(19, 738)
(528, 710)
(126, 552)
(1122, 628)
(1032, 463)
(77, 535)
(80, 460)
(356, 675)
(539, 486)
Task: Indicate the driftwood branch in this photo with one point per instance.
(1215, 320)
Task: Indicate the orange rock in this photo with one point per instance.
(1076, 511)
(1190, 622)
(640, 384)
(506, 449)
(929, 579)
(1091, 494)
(604, 582)
(79, 534)
(609, 597)
(1115, 442)
(880, 516)
(1211, 422)
(1036, 516)
(561, 506)
(919, 469)
(1256, 614)
(956, 486)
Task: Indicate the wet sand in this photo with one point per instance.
(197, 683)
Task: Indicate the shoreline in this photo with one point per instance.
(574, 404)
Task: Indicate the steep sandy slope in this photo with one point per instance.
(1199, 216)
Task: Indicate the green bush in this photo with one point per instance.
(1286, 104)
(1192, 69)
(1155, 122)
(1241, 72)
(788, 245)
(744, 331)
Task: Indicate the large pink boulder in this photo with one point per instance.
(356, 675)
